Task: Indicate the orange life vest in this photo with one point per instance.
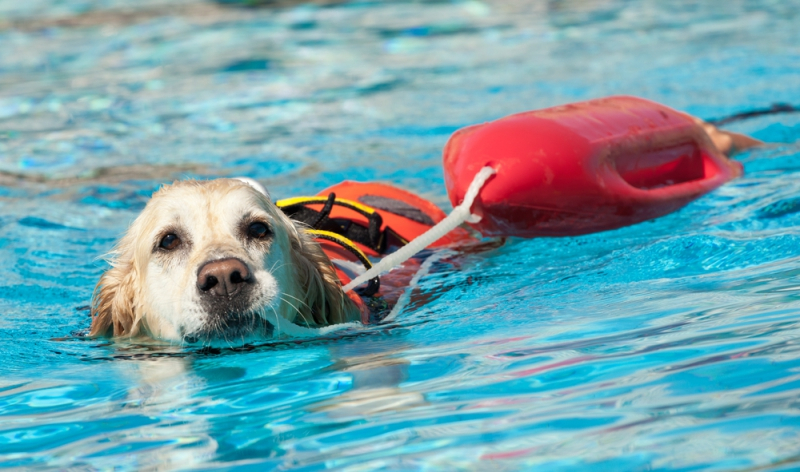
(355, 221)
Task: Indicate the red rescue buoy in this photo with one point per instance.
(584, 167)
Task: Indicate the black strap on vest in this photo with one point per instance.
(341, 231)
(369, 236)
(345, 232)
(374, 284)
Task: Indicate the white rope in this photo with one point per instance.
(406, 296)
(458, 216)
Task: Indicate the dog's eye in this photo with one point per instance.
(169, 242)
(257, 230)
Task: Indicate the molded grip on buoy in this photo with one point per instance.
(584, 167)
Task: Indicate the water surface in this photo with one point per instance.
(669, 345)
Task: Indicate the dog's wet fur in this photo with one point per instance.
(215, 259)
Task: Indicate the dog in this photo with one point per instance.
(215, 259)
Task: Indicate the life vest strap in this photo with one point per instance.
(370, 236)
(374, 283)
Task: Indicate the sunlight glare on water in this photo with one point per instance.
(670, 345)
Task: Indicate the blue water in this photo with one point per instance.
(669, 345)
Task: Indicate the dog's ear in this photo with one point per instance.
(325, 303)
(113, 303)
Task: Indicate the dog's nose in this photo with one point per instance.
(224, 277)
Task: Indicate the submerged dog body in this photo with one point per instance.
(215, 260)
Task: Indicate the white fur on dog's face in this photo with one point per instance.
(155, 287)
(211, 225)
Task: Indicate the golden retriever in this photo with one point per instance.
(215, 260)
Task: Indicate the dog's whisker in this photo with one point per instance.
(291, 305)
(277, 319)
(299, 312)
(273, 268)
(302, 302)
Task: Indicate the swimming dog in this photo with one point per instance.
(215, 260)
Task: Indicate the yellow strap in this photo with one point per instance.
(344, 242)
(312, 200)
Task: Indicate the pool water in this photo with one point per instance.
(669, 345)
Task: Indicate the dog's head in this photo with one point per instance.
(214, 260)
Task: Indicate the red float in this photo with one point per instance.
(584, 167)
